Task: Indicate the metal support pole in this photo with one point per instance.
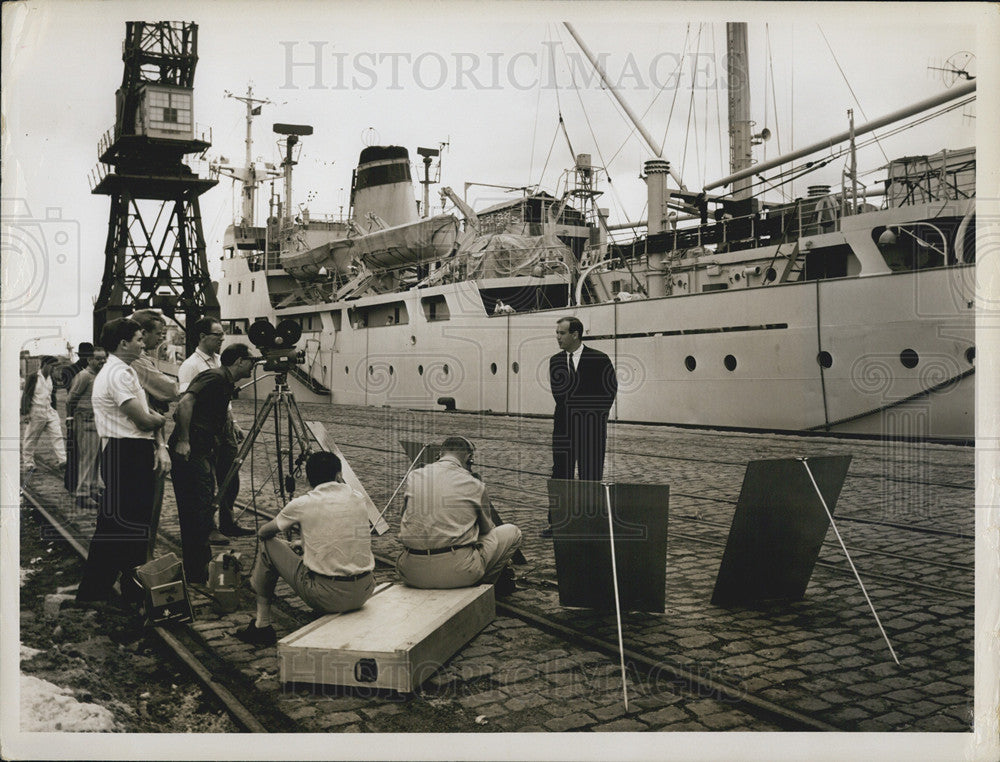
(614, 580)
(844, 548)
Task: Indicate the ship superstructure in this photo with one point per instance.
(846, 310)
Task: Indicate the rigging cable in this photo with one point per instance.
(673, 102)
(718, 119)
(860, 107)
(687, 128)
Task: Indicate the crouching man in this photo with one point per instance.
(335, 571)
(448, 537)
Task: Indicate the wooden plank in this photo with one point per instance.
(398, 639)
(318, 430)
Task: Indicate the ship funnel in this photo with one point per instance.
(383, 187)
(657, 171)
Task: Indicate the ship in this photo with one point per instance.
(848, 310)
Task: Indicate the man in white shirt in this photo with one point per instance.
(205, 357)
(80, 411)
(335, 571)
(448, 537)
(38, 403)
(129, 466)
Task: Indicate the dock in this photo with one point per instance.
(906, 514)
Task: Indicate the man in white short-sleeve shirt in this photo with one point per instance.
(335, 571)
(129, 463)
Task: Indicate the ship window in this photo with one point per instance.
(445, 369)
(909, 358)
(729, 362)
(390, 370)
(493, 368)
(420, 370)
(515, 367)
(347, 371)
(825, 359)
(378, 315)
(230, 289)
(970, 355)
(371, 371)
(770, 274)
(239, 287)
(715, 287)
(252, 284)
(435, 308)
(690, 363)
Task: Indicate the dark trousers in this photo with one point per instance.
(225, 454)
(194, 490)
(579, 438)
(122, 533)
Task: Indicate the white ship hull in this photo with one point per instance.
(498, 363)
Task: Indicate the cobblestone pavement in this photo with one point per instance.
(906, 514)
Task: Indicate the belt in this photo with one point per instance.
(436, 551)
(348, 578)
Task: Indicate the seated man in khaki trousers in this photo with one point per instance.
(335, 571)
(448, 537)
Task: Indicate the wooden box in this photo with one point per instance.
(398, 639)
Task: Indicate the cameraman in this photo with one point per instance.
(205, 356)
(201, 419)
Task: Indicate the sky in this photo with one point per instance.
(490, 82)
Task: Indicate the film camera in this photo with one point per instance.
(277, 345)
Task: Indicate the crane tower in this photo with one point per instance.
(155, 251)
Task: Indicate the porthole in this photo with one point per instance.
(909, 358)
(729, 362)
(390, 370)
(371, 371)
(445, 369)
(690, 363)
(770, 274)
(970, 355)
(825, 359)
(347, 371)
(493, 368)
(515, 367)
(420, 370)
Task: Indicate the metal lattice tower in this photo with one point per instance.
(155, 251)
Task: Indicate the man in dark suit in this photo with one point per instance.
(584, 386)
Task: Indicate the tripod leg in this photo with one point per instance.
(245, 446)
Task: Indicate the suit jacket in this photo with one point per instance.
(592, 387)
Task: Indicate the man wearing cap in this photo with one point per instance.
(38, 402)
(448, 537)
(200, 419)
(334, 573)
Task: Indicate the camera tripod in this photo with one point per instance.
(279, 401)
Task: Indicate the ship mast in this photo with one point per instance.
(738, 73)
(247, 175)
